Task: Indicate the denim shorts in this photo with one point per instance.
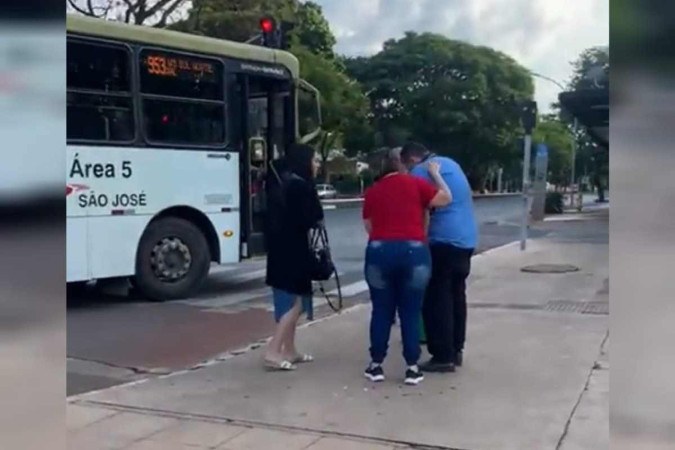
(284, 301)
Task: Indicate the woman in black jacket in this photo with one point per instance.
(293, 210)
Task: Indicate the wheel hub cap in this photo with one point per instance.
(171, 259)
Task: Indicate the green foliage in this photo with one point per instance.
(342, 101)
(350, 184)
(591, 159)
(594, 57)
(455, 97)
(560, 142)
(313, 31)
(555, 203)
(368, 177)
(236, 20)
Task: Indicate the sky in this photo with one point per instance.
(544, 36)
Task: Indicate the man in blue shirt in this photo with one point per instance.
(453, 236)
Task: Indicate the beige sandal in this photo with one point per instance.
(284, 365)
(301, 359)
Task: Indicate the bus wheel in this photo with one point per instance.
(172, 261)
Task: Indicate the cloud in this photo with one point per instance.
(542, 35)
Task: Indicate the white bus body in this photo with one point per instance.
(114, 193)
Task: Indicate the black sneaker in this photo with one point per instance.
(435, 366)
(413, 376)
(459, 358)
(374, 373)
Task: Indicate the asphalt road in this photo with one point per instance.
(114, 339)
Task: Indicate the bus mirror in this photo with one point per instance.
(309, 111)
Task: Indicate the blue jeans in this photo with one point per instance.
(284, 302)
(397, 273)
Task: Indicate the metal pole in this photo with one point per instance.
(526, 190)
(574, 160)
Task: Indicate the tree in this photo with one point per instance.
(236, 20)
(313, 31)
(344, 107)
(560, 141)
(326, 142)
(158, 13)
(591, 71)
(457, 98)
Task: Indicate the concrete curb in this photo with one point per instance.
(355, 202)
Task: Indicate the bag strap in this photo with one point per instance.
(276, 174)
(319, 238)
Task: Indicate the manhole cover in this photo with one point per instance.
(550, 268)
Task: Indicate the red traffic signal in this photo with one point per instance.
(270, 34)
(267, 25)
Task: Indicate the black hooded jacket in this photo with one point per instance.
(293, 209)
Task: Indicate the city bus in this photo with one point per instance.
(168, 137)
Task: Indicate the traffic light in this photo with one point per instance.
(270, 34)
(285, 35)
(528, 115)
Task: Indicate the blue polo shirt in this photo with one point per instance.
(453, 224)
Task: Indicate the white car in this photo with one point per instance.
(326, 191)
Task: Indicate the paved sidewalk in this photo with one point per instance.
(94, 428)
(535, 375)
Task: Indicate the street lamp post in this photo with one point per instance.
(574, 131)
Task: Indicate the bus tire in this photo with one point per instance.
(191, 245)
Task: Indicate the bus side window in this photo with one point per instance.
(100, 104)
(183, 99)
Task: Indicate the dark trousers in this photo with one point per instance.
(397, 273)
(444, 308)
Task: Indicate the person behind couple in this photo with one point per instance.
(397, 266)
(293, 209)
(453, 236)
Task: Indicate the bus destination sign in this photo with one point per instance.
(168, 66)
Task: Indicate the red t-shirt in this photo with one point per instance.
(395, 206)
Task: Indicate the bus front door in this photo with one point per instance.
(267, 130)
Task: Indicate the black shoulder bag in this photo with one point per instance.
(322, 267)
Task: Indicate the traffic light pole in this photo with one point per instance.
(528, 111)
(574, 163)
(525, 219)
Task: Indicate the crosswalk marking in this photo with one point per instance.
(230, 289)
(216, 269)
(352, 289)
(249, 276)
(233, 299)
(229, 299)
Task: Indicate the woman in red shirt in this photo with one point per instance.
(398, 263)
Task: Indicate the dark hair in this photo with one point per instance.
(411, 149)
(391, 162)
(299, 159)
